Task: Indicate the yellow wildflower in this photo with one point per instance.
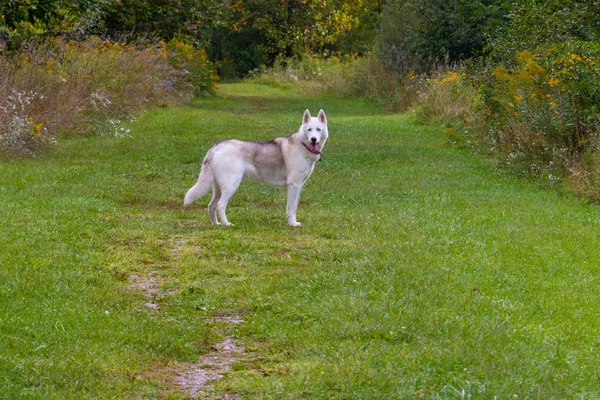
(452, 76)
(501, 74)
(36, 129)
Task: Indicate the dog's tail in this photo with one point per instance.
(205, 182)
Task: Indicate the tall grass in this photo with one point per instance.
(367, 77)
(446, 98)
(348, 76)
(56, 86)
(312, 72)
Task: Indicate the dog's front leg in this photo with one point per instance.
(292, 203)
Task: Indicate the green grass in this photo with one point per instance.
(419, 270)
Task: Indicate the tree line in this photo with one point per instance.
(406, 35)
(237, 35)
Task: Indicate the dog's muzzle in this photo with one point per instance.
(313, 147)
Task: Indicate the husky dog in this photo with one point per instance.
(285, 161)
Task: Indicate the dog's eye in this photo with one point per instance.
(318, 129)
(310, 129)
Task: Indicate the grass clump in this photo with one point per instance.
(447, 98)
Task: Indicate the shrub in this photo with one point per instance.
(56, 86)
(449, 98)
(538, 24)
(393, 90)
(193, 64)
(20, 131)
(546, 105)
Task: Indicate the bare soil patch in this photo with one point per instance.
(198, 379)
(149, 287)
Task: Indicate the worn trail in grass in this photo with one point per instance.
(419, 271)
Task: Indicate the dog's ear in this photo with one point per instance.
(322, 117)
(306, 118)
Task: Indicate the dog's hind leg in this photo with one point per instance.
(212, 206)
(227, 189)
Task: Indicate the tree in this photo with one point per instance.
(416, 35)
(287, 28)
(537, 24)
(162, 19)
(29, 18)
(239, 35)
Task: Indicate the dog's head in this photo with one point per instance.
(314, 131)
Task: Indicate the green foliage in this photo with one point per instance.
(542, 85)
(238, 36)
(237, 53)
(554, 90)
(418, 36)
(25, 19)
(256, 33)
(544, 108)
(537, 24)
(164, 19)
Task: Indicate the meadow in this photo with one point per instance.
(420, 270)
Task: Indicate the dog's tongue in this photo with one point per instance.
(313, 148)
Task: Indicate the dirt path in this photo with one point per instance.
(198, 379)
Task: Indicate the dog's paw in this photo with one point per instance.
(295, 223)
(226, 224)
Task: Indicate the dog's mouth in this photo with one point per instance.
(313, 148)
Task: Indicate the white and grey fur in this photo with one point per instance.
(285, 161)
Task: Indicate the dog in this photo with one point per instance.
(284, 161)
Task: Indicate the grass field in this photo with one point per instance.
(419, 271)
